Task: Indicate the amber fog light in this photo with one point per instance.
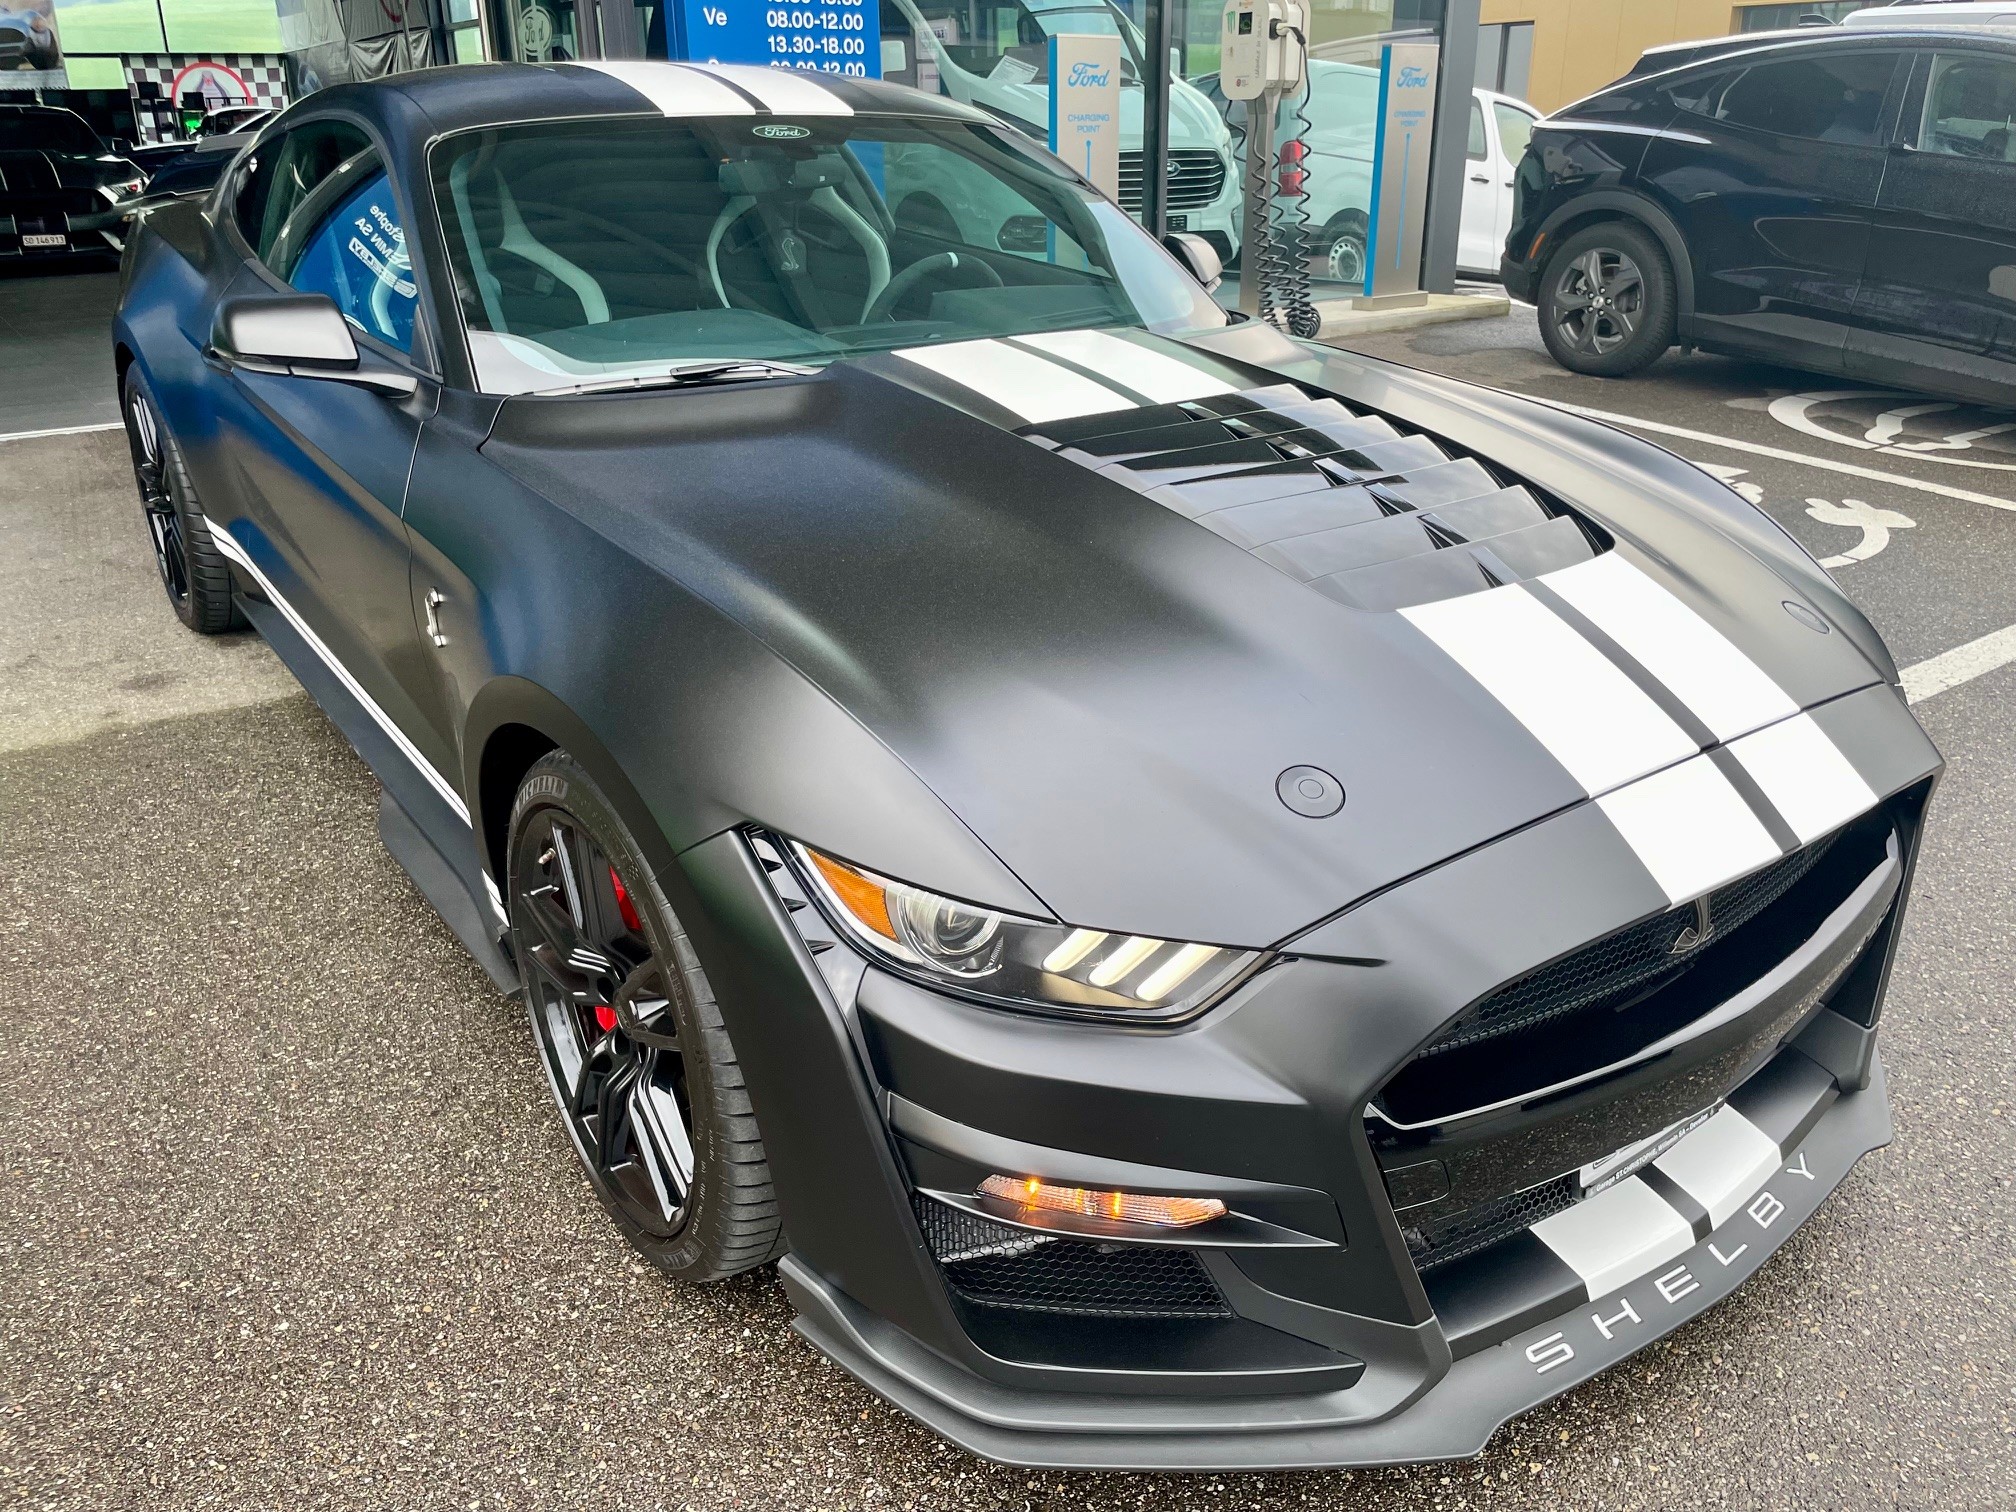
(1113, 1207)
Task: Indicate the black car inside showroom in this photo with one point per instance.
(949, 754)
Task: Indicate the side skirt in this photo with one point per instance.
(432, 842)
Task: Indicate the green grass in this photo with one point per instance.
(193, 26)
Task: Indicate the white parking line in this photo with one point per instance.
(1962, 664)
(64, 430)
(1757, 449)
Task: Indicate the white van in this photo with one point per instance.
(1976, 14)
(1342, 112)
(995, 54)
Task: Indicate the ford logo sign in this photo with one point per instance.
(1411, 77)
(783, 133)
(1088, 76)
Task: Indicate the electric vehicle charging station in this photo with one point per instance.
(1263, 49)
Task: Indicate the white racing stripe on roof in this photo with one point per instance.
(1033, 387)
(1727, 691)
(787, 91)
(1160, 377)
(1814, 787)
(676, 90)
(1615, 1237)
(1591, 718)
(1690, 828)
(1722, 1164)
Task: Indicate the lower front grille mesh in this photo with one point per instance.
(994, 1265)
(1482, 1226)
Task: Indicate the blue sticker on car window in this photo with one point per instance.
(358, 258)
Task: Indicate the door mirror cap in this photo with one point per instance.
(288, 330)
(1198, 255)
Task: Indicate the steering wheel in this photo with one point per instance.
(884, 307)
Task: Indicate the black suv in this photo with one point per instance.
(1843, 201)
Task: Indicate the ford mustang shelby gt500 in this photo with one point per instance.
(1210, 901)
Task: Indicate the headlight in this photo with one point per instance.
(1017, 962)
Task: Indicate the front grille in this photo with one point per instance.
(994, 1265)
(1626, 963)
(1196, 178)
(49, 214)
(1455, 1235)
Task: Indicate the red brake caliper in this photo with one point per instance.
(605, 1016)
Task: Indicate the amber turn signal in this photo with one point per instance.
(1114, 1207)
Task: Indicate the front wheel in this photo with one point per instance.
(193, 572)
(1607, 301)
(632, 1041)
(1342, 250)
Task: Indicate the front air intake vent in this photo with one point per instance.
(1362, 509)
(994, 1265)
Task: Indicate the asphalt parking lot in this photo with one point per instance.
(287, 1220)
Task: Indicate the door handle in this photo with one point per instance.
(434, 600)
(1480, 178)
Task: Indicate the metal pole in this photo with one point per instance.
(1155, 117)
(1259, 193)
(1449, 164)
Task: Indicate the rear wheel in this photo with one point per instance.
(1342, 249)
(193, 572)
(1607, 301)
(633, 1044)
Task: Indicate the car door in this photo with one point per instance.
(1938, 300)
(1478, 236)
(1771, 171)
(322, 465)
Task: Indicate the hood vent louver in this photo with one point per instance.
(1362, 509)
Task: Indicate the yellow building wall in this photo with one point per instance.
(1581, 45)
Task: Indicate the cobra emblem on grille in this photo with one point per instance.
(1690, 938)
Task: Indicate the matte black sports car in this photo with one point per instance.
(1210, 901)
(58, 185)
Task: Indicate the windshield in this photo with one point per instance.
(585, 250)
(47, 131)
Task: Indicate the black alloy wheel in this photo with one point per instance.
(1607, 301)
(193, 572)
(631, 1039)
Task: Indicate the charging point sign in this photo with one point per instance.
(1085, 107)
(1407, 89)
(825, 36)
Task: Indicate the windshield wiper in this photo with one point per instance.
(720, 370)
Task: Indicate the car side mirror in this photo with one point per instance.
(296, 335)
(1198, 255)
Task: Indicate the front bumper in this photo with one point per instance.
(1330, 1336)
(1521, 279)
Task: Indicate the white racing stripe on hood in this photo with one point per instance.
(1690, 827)
(787, 91)
(1591, 718)
(1699, 665)
(1814, 787)
(673, 89)
(1160, 378)
(1021, 382)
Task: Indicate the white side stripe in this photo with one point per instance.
(784, 90)
(1592, 718)
(229, 545)
(1615, 1237)
(1033, 387)
(674, 90)
(1812, 785)
(1160, 377)
(1690, 827)
(1721, 1164)
(1727, 691)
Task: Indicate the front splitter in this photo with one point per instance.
(1451, 1419)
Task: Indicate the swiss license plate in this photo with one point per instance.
(30, 239)
(1178, 222)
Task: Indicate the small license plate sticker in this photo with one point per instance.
(1633, 1158)
(31, 239)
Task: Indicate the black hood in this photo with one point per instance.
(25, 172)
(1075, 633)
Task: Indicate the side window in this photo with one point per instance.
(1970, 108)
(1479, 148)
(284, 173)
(345, 241)
(1835, 99)
(1515, 130)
